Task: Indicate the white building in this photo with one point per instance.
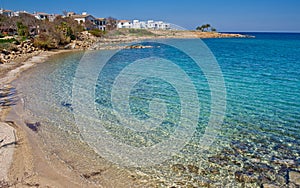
(101, 23)
(150, 24)
(84, 17)
(45, 16)
(8, 13)
(124, 24)
(41, 16)
(136, 24)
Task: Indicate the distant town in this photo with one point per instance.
(23, 33)
(94, 22)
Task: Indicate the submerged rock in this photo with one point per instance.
(193, 169)
(33, 126)
(270, 186)
(178, 168)
(245, 177)
(137, 47)
(294, 177)
(67, 105)
(285, 162)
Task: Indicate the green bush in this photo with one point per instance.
(7, 40)
(97, 32)
(22, 29)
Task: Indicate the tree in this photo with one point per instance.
(200, 28)
(206, 28)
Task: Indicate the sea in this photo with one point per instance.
(219, 112)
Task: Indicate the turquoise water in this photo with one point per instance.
(259, 137)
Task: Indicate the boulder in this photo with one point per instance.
(294, 177)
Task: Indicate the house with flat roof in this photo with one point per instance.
(124, 24)
(136, 24)
(41, 16)
(8, 13)
(150, 24)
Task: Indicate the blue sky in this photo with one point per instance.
(225, 15)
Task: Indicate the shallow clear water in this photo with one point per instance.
(259, 137)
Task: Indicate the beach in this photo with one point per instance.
(22, 161)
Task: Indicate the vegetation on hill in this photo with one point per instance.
(97, 32)
(206, 28)
(43, 33)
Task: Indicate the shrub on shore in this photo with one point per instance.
(97, 32)
(45, 41)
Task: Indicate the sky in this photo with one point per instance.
(224, 15)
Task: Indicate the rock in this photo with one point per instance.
(294, 177)
(255, 160)
(193, 169)
(202, 182)
(33, 126)
(179, 168)
(137, 47)
(280, 180)
(5, 52)
(270, 186)
(245, 177)
(292, 185)
(68, 46)
(285, 162)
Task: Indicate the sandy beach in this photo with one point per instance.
(22, 163)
